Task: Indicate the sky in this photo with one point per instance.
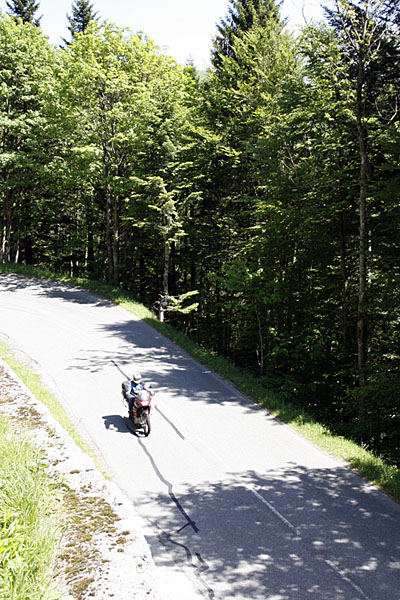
(183, 28)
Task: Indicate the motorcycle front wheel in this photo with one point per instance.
(146, 424)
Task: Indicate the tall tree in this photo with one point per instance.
(82, 14)
(241, 103)
(27, 61)
(115, 90)
(25, 10)
(242, 16)
(369, 33)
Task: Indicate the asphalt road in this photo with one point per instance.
(235, 505)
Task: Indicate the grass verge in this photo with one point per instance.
(34, 383)
(369, 466)
(29, 531)
(85, 523)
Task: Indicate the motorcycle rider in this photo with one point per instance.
(134, 386)
(136, 383)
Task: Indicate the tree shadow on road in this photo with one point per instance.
(161, 363)
(319, 535)
(54, 289)
(160, 360)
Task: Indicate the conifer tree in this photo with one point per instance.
(242, 16)
(82, 15)
(24, 9)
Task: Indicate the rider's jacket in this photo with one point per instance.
(136, 387)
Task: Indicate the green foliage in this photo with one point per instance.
(236, 193)
(25, 10)
(181, 305)
(28, 521)
(82, 14)
(24, 85)
(243, 15)
(119, 98)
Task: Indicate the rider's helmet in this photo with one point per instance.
(136, 377)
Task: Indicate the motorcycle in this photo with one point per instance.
(139, 410)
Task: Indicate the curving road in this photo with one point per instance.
(234, 504)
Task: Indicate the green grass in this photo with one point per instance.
(35, 384)
(29, 531)
(370, 467)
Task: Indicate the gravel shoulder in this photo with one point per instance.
(103, 553)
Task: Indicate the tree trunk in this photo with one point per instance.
(115, 241)
(345, 288)
(261, 340)
(142, 273)
(166, 267)
(363, 249)
(7, 228)
(3, 244)
(164, 298)
(89, 240)
(109, 234)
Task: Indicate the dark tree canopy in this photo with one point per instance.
(242, 16)
(82, 14)
(24, 9)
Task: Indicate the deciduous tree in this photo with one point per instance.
(27, 62)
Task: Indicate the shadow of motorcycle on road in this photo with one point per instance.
(115, 423)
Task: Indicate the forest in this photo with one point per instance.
(255, 206)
